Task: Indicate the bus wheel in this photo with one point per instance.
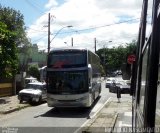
(40, 100)
(100, 90)
(93, 97)
(20, 101)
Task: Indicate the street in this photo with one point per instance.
(42, 117)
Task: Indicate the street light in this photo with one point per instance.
(105, 52)
(69, 26)
(105, 56)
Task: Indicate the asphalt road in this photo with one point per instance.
(46, 119)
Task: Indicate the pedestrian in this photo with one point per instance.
(118, 93)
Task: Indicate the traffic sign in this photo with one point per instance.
(131, 58)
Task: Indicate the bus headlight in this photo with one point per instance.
(82, 98)
(51, 99)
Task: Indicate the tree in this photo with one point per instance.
(8, 52)
(12, 36)
(131, 47)
(116, 56)
(102, 70)
(33, 71)
(15, 23)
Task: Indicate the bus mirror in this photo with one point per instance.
(126, 71)
(90, 71)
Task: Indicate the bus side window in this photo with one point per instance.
(142, 95)
(157, 118)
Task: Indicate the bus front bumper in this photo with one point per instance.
(78, 102)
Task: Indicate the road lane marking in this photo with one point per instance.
(126, 125)
(128, 114)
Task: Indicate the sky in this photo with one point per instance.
(111, 22)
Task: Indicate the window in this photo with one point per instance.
(67, 59)
(143, 79)
(157, 119)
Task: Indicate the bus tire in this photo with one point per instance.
(20, 101)
(100, 90)
(93, 97)
(40, 100)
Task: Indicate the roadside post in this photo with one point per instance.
(118, 93)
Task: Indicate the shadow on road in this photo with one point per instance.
(36, 104)
(75, 112)
(4, 101)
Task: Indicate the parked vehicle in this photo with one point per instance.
(111, 74)
(109, 82)
(124, 87)
(29, 80)
(119, 72)
(33, 92)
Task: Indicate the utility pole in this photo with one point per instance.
(95, 41)
(72, 41)
(48, 33)
(104, 55)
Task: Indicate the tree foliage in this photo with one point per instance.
(15, 23)
(33, 71)
(12, 35)
(116, 56)
(8, 52)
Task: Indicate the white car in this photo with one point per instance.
(30, 80)
(122, 85)
(109, 82)
(33, 92)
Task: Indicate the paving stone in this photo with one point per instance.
(11, 104)
(106, 118)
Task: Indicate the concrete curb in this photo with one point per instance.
(114, 122)
(97, 113)
(14, 109)
(93, 124)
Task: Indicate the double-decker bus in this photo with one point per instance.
(73, 77)
(43, 71)
(145, 76)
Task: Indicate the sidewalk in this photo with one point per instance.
(108, 118)
(10, 104)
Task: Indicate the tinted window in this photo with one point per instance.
(34, 86)
(143, 79)
(67, 82)
(67, 59)
(157, 119)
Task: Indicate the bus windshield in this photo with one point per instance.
(72, 82)
(66, 59)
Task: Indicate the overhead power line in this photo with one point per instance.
(40, 38)
(34, 6)
(36, 30)
(96, 27)
(110, 24)
(92, 28)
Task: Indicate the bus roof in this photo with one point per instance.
(42, 67)
(68, 48)
(71, 48)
